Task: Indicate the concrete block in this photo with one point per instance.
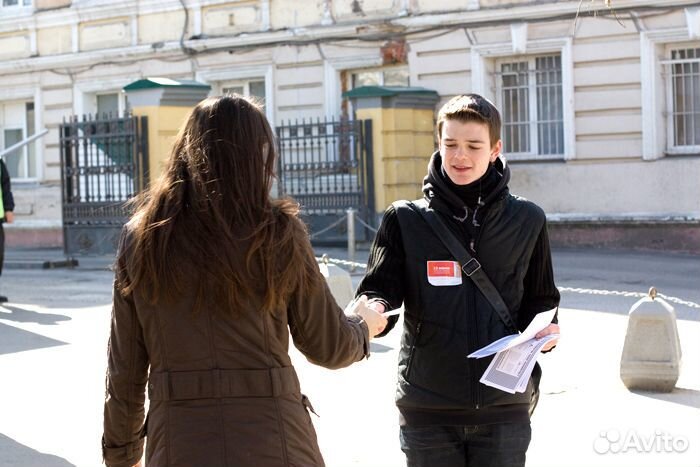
(339, 282)
(651, 354)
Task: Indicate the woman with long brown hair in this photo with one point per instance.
(212, 275)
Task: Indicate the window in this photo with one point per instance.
(104, 104)
(683, 100)
(17, 3)
(384, 76)
(107, 104)
(253, 88)
(394, 76)
(531, 104)
(16, 124)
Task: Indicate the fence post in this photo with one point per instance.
(351, 237)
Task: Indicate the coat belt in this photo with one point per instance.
(207, 384)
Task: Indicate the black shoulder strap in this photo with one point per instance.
(470, 265)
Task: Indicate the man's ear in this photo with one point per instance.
(496, 150)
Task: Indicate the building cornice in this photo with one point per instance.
(379, 28)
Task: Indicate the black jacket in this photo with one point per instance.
(437, 384)
(7, 198)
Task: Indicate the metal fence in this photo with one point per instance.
(326, 165)
(104, 163)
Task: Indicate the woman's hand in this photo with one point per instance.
(366, 310)
(553, 328)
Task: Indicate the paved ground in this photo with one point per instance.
(52, 359)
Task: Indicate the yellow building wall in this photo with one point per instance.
(164, 122)
(403, 142)
(54, 41)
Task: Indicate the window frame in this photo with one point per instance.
(485, 81)
(350, 78)
(667, 74)
(377, 69)
(533, 117)
(244, 83)
(25, 150)
(218, 79)
(333, 70)
(655, 90)
(122, 105)
(85, 94)
(21, 4)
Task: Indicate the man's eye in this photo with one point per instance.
(476, 148)
(450, 145)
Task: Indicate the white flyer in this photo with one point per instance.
(538, 323)
(516, 355)
(510, 369)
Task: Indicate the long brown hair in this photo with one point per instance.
(211, 208)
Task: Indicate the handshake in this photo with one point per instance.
(371, 311)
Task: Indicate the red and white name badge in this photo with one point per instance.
(443, 273)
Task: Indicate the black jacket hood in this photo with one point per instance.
(441, 197)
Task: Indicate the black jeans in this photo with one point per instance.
(499, 445)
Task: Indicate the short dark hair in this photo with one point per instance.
(471, 108)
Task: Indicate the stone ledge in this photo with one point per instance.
(35, 236)
(672, 236)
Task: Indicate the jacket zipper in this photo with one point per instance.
(476, 388)
(473, 341)
(413, 348)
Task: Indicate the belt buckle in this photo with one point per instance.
(471, 266)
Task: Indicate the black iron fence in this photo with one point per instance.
(326, 165)
(104, 163)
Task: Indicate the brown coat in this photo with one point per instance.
(222, 388)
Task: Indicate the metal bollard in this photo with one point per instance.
(351, 237)
(652, 351)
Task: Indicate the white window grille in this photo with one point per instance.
(684, 100)
(531, 104)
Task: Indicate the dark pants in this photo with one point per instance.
(499, 445)
(2, 247)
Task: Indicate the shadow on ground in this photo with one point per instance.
(682, 396)
(22, 315)
(15, 454)
(14, 340)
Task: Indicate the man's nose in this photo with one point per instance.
(461, 152)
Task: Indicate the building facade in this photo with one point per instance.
(601, 108)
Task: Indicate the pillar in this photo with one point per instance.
(166, 103)
(403, 136)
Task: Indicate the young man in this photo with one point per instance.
(7, 205)
(447, 417)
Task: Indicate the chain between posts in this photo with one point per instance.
(349, 212)
(679, 301)
(620, 293)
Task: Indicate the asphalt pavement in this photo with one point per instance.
(53, 336)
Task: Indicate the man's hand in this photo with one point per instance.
(376, 305)
(374, 319)
(553, 328)
(9, 217)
